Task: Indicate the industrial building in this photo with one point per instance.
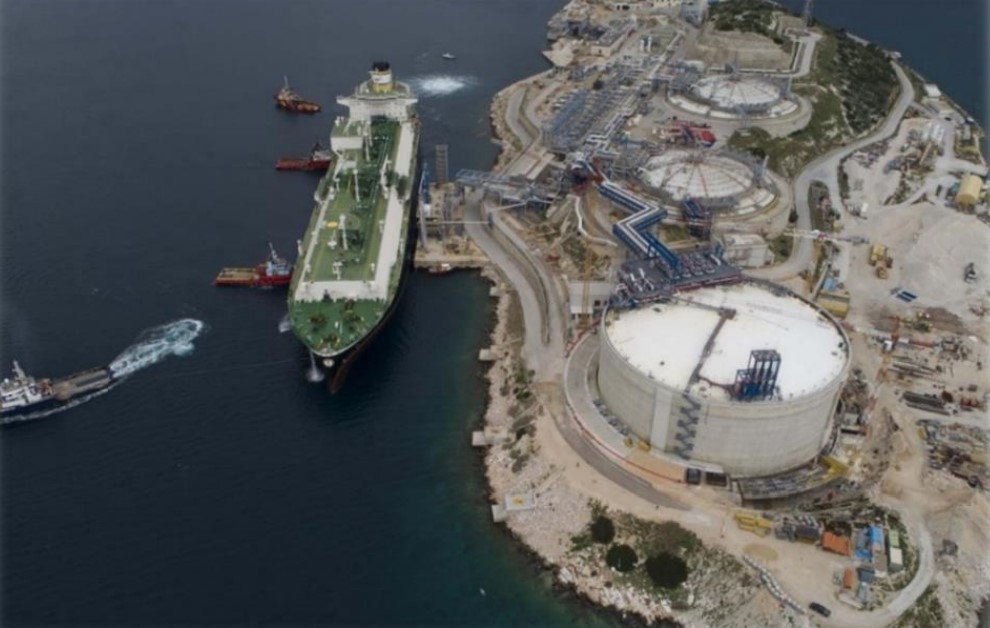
(733, 95)
(744, 377)
(718, 179)
(970, 190)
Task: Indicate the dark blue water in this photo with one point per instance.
(138, 145)
(137, 151)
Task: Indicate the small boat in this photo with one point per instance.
(448, 56)
(289, 100)
(319, 160)
(442, 269)
(275, 271)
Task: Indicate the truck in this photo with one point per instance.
(877, 253)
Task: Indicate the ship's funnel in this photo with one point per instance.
(381, 77)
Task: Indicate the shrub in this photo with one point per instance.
(666, 570)
(602, 530)
(621, 558)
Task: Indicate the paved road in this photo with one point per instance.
(578, 400)
(825, 170)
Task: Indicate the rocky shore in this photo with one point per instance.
(720, 589)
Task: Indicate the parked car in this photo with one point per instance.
(818, 608)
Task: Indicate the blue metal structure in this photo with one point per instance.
(759, 380)
(700, 217)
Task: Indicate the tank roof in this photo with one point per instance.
(666, 341)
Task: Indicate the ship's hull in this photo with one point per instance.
(64, 390)
(11, 414)
(303, 165)
(256, 277)
(254, 281)
(297, 106)
(342, 362)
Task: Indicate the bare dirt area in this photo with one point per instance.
(747, 50)
(930, 247)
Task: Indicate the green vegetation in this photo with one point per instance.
(621, 558)
(788, 155)
(851, 87)
(782, 246)
(745, 16)
(666, 570)
(673, 233)
(927, 612)
(866, 83)
(602, 530)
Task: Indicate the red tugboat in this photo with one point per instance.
(275, 271)
(289, 100)
(319, 160)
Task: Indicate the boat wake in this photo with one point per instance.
(441, 84)
(151, 347)
(156, 344)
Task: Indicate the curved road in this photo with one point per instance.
(825, 170)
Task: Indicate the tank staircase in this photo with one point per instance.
(687, 427)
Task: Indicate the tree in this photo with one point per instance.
(666, 570)
(602, 530)
(621, 558)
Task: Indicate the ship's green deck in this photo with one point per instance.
(361, 218)
(328, 326)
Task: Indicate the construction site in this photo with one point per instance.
(732, 95)
(799, 358)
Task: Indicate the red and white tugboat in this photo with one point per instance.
(319, 160)
(275, 271)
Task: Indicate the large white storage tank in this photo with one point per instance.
(745, 376)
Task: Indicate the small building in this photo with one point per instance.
(932, 91)
(597, 292)
(896, 562)
(849, 578)
(866, 574)
(837, 544)
(893, 539)
(609, 42)
(970, 190)
(748, 250)
(834, 302)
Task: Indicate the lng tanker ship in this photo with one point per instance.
(355, 253)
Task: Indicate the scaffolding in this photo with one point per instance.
(441, 158)
(510, 189)
(758, 381)
(593, 116)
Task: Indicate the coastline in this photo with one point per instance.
(535, 464)
(565, 511)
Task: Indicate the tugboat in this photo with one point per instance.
(22, 394)
(319, 160)
(275, 271)
(289, 100)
